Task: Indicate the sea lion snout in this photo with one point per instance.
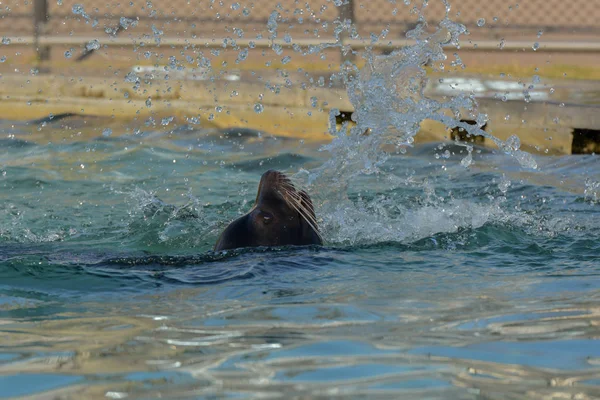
(270, 185)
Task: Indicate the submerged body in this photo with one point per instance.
(281, 216)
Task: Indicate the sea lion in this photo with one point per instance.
(281, 216)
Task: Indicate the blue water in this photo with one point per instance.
(435, 281)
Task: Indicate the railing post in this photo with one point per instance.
(40, 22)
(346, 12)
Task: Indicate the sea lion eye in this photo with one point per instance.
(267, 218)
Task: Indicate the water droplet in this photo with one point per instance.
(481, 22)
(513, 143)
(5, 40)
(59, 2)
(239, 32)
(504, 184)
(242, 55)
(78, 9)
(131, 77)
(277, 48)
(258, 108)
(591, 191)
(502, 43)
(107, 132)
(2, 59)
(467, 161)
(127, 22)
(536, 79)
(535, 46)
(235, 6)
(68, 54)
(92, 45)
(272, 24)
(157, 33)
(246, 12)
(286, 60)
(149, 102)
(482, 119)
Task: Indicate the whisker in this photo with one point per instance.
(289, 194)
(305, 208)
(293, 195)
(293, 181)
(309, 221)
(288, 184)
(297, 181)
(306, 215)
(297, 201)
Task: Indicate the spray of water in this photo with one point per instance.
(390, 104)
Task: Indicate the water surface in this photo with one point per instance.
(436, 280)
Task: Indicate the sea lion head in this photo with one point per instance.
(282, 215)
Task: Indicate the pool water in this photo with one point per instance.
(435, 280)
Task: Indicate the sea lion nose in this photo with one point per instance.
(270, 183)
(271, 174)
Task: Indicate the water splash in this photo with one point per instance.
(592, 191)
(390, 103)
(154, 223)
(388, 96)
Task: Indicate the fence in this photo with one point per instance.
(306, 19)
(180, 17)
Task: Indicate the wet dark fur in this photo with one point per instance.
(274, 221)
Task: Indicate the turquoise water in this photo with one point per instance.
(436, 280)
